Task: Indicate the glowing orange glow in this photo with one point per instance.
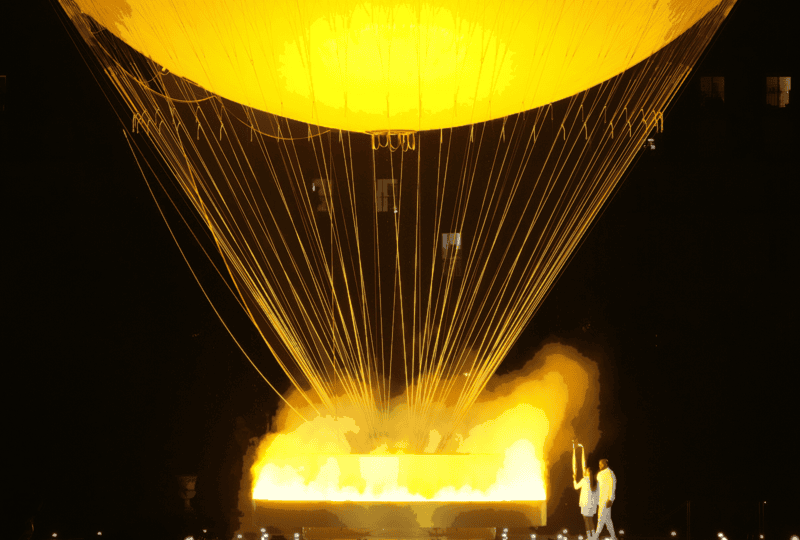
(500, 455)
(400, 478)
(376, 65)
(333, 240)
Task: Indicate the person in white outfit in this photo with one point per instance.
(589, 493)
(607, 489)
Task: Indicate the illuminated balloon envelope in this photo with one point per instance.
(395, 186)
(379, 65)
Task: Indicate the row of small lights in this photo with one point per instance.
(265, 535)
(100, 533)
(561, 536)
(564, 535)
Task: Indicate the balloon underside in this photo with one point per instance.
(382, 65)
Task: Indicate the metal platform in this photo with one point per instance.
(404, 519)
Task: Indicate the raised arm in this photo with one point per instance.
(575, 483)
(574, 463)
(583, 458)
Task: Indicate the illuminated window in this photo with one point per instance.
(778, 89)
(451, 252)
(712, 89)
(318, 187)
(387, 195)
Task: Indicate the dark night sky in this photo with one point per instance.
(684, 292)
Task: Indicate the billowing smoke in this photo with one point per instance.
(522, 423)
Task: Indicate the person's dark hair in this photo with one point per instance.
(592, 478)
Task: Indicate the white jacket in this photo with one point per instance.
(606, 486)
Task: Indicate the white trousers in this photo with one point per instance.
(604, 518)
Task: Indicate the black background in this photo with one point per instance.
(120, 375)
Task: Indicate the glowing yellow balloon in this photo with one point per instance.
(380, 65)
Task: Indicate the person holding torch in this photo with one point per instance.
(589, 493)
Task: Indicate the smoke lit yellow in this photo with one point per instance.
(371, 66)
(501, 452)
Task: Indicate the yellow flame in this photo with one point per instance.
(502, 455)
(514, 475)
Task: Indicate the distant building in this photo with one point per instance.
(712, 89)
(744, 108)
(318, 187)
(778, 91)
